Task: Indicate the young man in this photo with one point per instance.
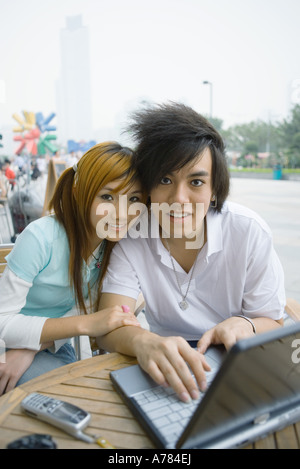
(210, 275)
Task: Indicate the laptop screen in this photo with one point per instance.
(259, 379)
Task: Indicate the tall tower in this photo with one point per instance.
(74, 109)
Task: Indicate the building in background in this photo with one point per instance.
(74, 109)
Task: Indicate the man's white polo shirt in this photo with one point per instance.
(237, 272)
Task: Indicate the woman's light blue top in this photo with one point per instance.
(41, 257)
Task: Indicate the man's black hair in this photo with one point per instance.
(171, 135)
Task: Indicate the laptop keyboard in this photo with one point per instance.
(167, 413)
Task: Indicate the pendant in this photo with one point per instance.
(183, 305)
(98, 265)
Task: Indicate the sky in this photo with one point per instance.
(156, 50)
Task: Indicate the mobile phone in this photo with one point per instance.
(61, 414)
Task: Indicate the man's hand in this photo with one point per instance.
(228, 332)
(167, 361)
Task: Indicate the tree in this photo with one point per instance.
(289, 133)
(280, 140)
(263, 134)
(216, 122)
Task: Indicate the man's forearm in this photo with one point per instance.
(266, 324)
(121, 340)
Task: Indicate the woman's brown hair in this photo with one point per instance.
(74, 194)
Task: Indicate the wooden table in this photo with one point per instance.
(87, 384)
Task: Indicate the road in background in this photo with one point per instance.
(278, 203)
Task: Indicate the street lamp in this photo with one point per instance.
(211, 95)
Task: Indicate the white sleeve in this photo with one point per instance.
(17, 330)
(264, 293)
(121, 277)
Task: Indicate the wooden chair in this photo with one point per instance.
(4, 250)
(292, 308)
(5, 211)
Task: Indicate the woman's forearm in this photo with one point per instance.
(62, 328)
(93, 325)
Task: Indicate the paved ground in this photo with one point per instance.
(278, 202)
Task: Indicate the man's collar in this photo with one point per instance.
(214, 238)
(214, 232)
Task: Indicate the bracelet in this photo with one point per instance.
(247, 319)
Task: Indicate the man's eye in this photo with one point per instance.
(165, 180)
(197, 182)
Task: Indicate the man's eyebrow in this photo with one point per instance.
(199, 173)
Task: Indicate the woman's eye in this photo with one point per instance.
(134, 199)
(165, 180)
(197, 182)
(106, 197)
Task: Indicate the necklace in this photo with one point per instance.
(99, 259)
(183, 304)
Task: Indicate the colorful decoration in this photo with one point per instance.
(28, 123)
(80, 146)
(42, 123)
(45, 143)
(29, 141)
(33, 141)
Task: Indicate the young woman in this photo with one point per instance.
(211, 275)
(59, 262)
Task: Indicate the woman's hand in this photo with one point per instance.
(17, 361)
(105, 321)
(93, 324)
(167, 361)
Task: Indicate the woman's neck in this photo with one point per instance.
(94, 245)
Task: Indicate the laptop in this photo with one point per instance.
(253, 390)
